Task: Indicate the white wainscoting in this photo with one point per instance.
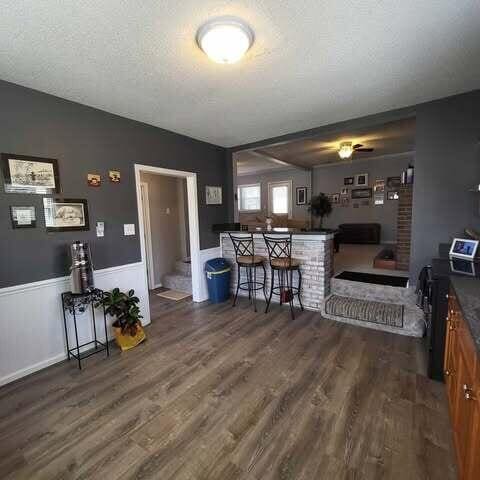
(205, 255)
(31, 319)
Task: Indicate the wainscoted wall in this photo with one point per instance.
(31, 316)
(33, 321)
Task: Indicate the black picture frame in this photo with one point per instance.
(13, 184)
(393, 182)
(301, 195)
(392, 195)
(361, 193)
(15, 209)
(348, 180)
(51, 204)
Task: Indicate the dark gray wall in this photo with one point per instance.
(447, 165)
(86, 140)
(330, 180)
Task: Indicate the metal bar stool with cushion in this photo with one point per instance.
(281, 261)
(245, 256)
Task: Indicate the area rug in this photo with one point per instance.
(365, 310)
(174, 295)
(389, 280)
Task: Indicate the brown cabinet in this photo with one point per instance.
(462, 373)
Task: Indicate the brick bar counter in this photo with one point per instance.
(314, 250)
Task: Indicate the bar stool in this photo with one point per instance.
(245, 257)
(281, 261)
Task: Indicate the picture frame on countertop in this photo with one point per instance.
(27, 174)
(213, 195)
(66, 214)
(23, 216)
(301, 195)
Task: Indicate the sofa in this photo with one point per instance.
(360, 233)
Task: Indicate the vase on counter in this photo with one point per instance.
(268, 223)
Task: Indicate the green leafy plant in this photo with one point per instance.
(320, 206)
(123, 306)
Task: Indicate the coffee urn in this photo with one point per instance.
(81, 271)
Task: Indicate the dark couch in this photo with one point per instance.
(359, 233)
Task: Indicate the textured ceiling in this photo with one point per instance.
(313, 62)
(391, 138)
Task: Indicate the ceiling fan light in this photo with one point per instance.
(345, 151)
(225, 40)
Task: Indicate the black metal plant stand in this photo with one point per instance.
(77, 303)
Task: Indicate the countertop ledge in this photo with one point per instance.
(321, 233)
(467, 291)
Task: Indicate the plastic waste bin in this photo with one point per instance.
(218, 279)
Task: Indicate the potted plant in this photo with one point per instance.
(127, 325)
(320, 206)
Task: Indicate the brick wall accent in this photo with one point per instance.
(404, 226)
(315, 253)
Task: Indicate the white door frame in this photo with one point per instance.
(148, 236)
(192, 222)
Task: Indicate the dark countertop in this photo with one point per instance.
(280, 231)
(467, 290)
(466, 287)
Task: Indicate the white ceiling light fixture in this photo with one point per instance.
(225, 39)
(345, 150)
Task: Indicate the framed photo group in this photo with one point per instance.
(40, 176)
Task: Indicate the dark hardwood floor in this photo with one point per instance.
(223, 393)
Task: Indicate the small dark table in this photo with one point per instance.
(77, 303)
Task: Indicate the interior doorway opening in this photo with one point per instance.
(169, 233)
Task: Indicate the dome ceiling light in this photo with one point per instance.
(225, 40)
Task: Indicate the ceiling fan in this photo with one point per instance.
(347, 149)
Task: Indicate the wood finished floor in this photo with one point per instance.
(222, 393)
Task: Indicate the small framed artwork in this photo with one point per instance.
(114, 176)
(393, 182)
(361, 180)
(361, 193)
(392, 195)
(65, 214)
(23, 217)
(301, 194)
(348, 180)
(213, 195)
(25, 174)
(344, 191)
(379, 186)
(464, 248)
(94, 180)
(379, 199)
(335, 198)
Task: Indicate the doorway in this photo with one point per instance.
(187, 210)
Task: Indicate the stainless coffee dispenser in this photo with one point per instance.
(81, 271)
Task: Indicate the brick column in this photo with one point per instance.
(404, 226)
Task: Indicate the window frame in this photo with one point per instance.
(239, 187)
(289, 184)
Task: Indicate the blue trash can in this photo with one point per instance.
(218, 279)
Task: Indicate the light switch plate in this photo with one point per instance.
(100, 229)
(129, 229)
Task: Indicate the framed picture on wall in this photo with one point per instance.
(361, 179)
(25, 174)
(392, 195)
(301, 194)
(348, 180)
(65, 214)
(23, 217)
(344, 191)
(361, 193)
(393, 182)
(213, 195)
